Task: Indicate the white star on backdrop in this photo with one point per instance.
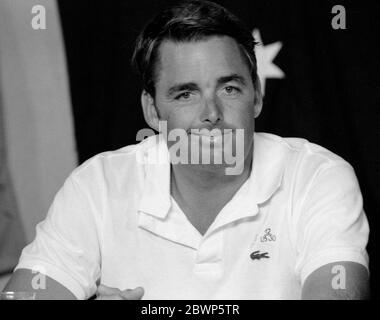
(265, 56)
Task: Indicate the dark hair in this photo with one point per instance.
(190, 21)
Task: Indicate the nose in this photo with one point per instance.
(212, 111)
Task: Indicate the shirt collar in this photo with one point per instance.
(265, 178)
(154, 154)
(269, 160)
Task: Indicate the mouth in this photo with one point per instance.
(213, 136)
(210, 133)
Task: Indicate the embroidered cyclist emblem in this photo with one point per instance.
(268, 236)
(256, 255)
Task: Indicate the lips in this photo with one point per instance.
(210, 138)
(213, 136)
(210, 133)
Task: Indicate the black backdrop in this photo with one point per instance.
(329, 95)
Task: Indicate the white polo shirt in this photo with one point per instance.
(114, 222)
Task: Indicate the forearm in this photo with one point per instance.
(22, 280)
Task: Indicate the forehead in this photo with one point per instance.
(200, 60)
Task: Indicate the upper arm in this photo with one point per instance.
(331, 231)
(47, 289)
(337, 281)
(66, 247)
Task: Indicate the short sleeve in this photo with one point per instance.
(332, 225)
(66, 246)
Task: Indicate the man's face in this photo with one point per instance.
(205, 84)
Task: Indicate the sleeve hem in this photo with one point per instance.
(58, 275)
(331, 256)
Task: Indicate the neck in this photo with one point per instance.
(205, 180)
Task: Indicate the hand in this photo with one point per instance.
(107, 293)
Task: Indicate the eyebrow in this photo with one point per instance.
(192, 86)
(188, 86)
(232, 77)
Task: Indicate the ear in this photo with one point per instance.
(149, 109)
(258, 101)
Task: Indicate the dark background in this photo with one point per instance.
(329, 96)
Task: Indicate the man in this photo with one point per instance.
(288, 223)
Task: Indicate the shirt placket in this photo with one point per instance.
(208, 260)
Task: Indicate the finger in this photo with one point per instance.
(104, 290)
(135, 294)
(110, 297)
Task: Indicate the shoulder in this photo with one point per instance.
(309, 170)
(299, 146)
(300, 154)
(112, 167)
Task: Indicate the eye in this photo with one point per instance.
(230, 90)
(184, 96)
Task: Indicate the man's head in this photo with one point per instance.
(198, 69)
(188, 21)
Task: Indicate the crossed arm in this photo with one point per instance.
(347, 281)
(337, 281)
(22, 280)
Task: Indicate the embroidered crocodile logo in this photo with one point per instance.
(256, 255)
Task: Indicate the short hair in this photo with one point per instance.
(187, 21)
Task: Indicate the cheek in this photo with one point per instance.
(241, 115)
(178, 118)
